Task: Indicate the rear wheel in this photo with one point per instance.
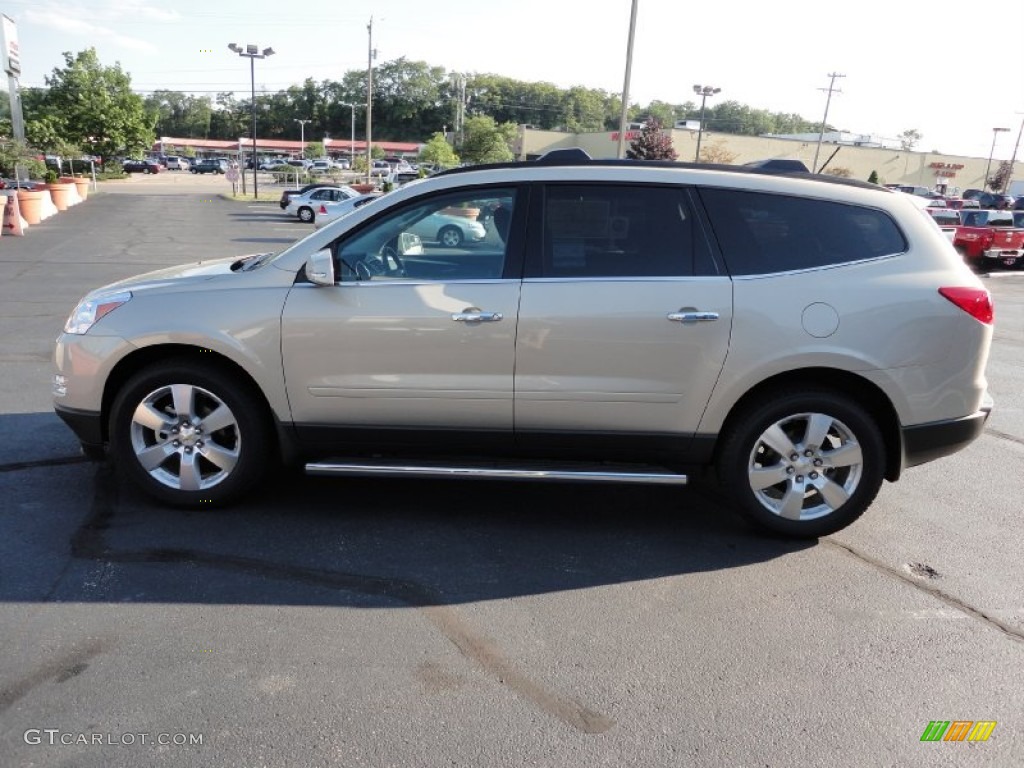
(804, 464)
(190, 435)
(306, 214)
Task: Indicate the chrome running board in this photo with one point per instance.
(594, 474)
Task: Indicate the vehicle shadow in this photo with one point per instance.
(358, 542)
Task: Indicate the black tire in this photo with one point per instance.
(194, 170)
(306, 214)
(833, 496)
(449, 236)
(228, 459)
(146, 171)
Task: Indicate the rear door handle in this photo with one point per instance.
(474, 315)
(687, 315)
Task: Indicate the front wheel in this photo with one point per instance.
(805, 464)
(450, 237)
(190, 435)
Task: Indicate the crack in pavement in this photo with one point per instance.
(1007, 629)
(89, 543)
(19, 466)
(1004, 435)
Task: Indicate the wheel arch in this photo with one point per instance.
(145, 356)
(861, 390)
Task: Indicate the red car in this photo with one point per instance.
(142, 166)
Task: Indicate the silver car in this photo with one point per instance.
(804, 337)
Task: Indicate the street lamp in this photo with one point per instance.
(302, 135)
(252, 52)
(703, 91)
(995, 133)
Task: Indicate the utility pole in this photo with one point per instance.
(1013, 160)
(625, 85)
(821, 133)
(370, 55)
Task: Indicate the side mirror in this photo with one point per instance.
(320, 267)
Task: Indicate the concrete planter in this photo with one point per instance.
(31, 204)
(62, 194)
(81, 184)
(363, 188)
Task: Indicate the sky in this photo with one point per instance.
(928, 65)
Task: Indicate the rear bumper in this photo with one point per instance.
(926, 442)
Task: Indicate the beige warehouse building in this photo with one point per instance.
(949, 173)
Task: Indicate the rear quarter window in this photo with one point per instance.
(762, 233)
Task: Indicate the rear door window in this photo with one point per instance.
(763, 233)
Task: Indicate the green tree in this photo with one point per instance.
(651, 144)
(873, 178)
(488, 142)
(97, 107)
(439, 152)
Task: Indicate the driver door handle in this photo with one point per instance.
(688, 315)
(474, 315)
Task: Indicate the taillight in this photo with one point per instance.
(976, 302)
(323, 208)
(986, 240)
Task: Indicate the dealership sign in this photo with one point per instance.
(12, 55)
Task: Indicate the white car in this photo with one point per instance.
(175, 163)
(305, 206)
(327, 212)
(449, 230)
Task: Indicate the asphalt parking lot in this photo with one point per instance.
(427, 623)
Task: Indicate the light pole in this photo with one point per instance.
(302, 136)
(991, 152)
(821, 133)
(621, 153)
(252, 52)
(370, 56)
(703, 91)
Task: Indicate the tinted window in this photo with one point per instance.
(616, 231)
(459, 236)
(762, 233)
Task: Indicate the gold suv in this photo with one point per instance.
(618, 321)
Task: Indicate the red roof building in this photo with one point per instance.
(168, 145)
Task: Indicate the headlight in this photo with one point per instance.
(90, 311)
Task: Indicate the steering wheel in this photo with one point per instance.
(387, 263)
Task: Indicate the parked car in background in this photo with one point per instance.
(988, 239)
(380, 168)
(960, 203)
(211, 165)
(273, 164)
(449, 230)
(327, 211)
(996, 201)
(304, 205)
(176, 163)
(288, 194)
(948, 220)
(401, 178)
(625, 321)
(142, 166)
